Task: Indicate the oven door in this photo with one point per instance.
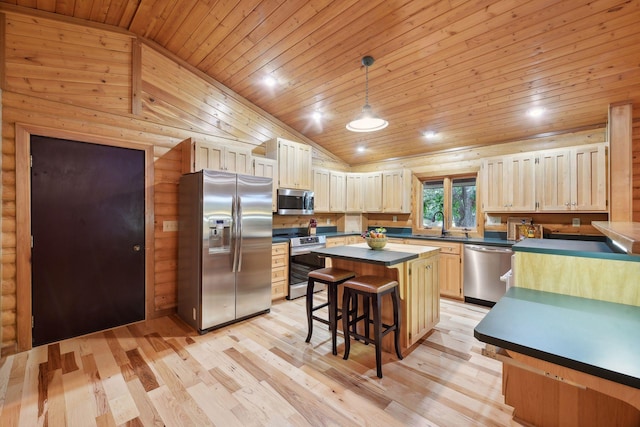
(300, 264)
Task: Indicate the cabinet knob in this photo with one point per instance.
(428, 267)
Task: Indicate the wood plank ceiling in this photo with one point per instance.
(467, 70)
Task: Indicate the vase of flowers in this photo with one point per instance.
(376, 238)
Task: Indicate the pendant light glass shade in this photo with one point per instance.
(367, 120)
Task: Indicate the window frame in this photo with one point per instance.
(447, 183)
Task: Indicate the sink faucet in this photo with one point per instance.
(444, 231)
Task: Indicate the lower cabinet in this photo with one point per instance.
(423, 298)
(279, 270)
(450, 266)
(336, 241)
(352, 240)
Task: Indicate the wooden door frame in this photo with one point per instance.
(23, 219)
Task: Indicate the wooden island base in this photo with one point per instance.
(419, 290)
(546, 394)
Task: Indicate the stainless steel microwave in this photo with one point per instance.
(295, 202)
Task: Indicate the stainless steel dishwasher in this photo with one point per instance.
(483, 266)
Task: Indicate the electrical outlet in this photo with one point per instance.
(169, 225)
(395, 218)
(328, 221)
(576, 222)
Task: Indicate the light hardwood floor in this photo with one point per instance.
(255, 373)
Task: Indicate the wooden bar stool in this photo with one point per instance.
(332, 277)
(371, 288)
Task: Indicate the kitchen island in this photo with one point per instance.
(566, 360)
(415, 268)
(568, 333)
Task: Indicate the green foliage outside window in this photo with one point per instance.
(463, 198)
(463, 202)
(433, 201)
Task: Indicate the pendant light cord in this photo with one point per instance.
(366, 85)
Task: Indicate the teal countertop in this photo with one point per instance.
(579, 248)
(366, 255)
(596, 337)
(456, 239)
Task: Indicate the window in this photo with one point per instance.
(450, 201)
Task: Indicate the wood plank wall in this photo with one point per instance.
(636, 163)
(59, 73)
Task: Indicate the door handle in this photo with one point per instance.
(137, 248)
(239, 241)
(490, 250)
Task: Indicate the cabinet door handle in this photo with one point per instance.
(428, 267)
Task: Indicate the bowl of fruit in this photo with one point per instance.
(375, 238)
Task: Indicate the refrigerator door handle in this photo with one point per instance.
(234, 234)
(239, 235)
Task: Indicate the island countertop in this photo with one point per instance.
(391, 254)
(596, 337)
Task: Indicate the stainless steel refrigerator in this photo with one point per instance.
(224, 249)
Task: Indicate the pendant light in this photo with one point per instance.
(367, 120)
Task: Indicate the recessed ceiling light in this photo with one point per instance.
(535, 112)
(317, 116)
(430, 134)
(269, 81)
(360, 149)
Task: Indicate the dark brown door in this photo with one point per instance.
(87, 222)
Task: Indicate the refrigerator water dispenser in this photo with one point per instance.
(219, 233)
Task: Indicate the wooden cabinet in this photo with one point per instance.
(329, 188)
(573, 179)
(354, 193)
(268, 168)
(567, 179)
(279, 270)
(320, 187)
(294, 163)
(396, 191)
(352, 240)
(554, 179)
(449, 268)
(337, 191)
(372, 192)
(509, 183)
(422, 298)
(336, 241)
(197, 155)
(388, 191)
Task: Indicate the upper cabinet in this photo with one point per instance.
(294, 163)
(337, 191)
(509, 183)
(355, 188)
(320, 189)
(329, 188)
(268, 168)
(574, 179)
(396, 191)
(199, 155)
(567, 179)
(372, 191)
